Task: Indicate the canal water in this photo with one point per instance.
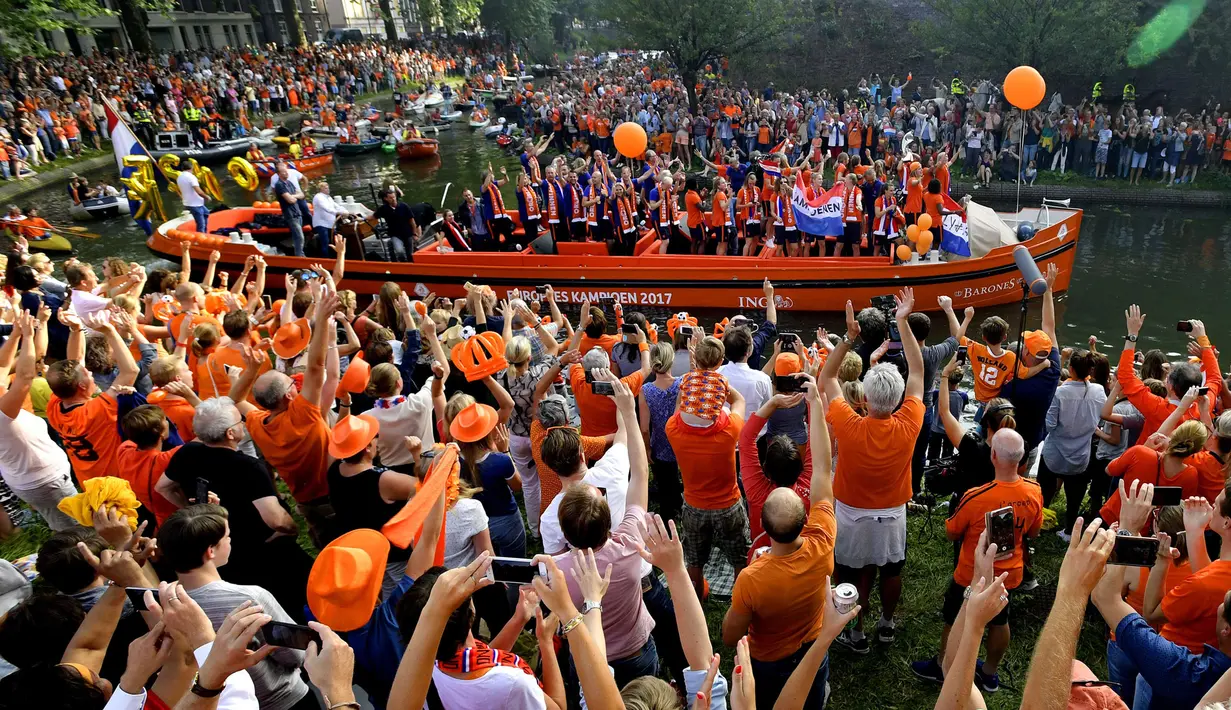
(1172, 261)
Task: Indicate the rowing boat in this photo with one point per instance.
(584, 270)
(99, 208)
(357, 148)
(416, 148)
(317, 161)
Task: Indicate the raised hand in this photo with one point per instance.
(230, 652)
(454, 587)
(1086, 558)
(743, 690)
(906, 302)
(852, 325)
(1197, 513)
(1053, 272)
(1136, 504)
(1134, 319)
(661, 545)
(987, 599)
(945, 303)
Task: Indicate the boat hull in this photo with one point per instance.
(356, 148)
(682, 282)
(319, 161)
(99, 208)
(417, 148)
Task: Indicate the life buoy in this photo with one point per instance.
(243, 173)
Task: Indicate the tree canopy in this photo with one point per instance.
(24, 20)
(695, 32)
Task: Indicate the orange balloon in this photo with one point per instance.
(925, 221)
(630, 139)
(903, 252)
(925, 241)
(1024, 87)
(912, 232)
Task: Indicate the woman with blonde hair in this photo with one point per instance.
(1166, 467)
(655, 406)
(519, 380)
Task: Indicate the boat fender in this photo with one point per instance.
(243, 173)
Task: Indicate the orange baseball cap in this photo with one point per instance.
(352, 434)
(473, 423)
(355, 379)
(1037, 343)
(787, 364)
(292, 338)
(344, 584)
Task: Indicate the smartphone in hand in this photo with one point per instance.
(1000, 531)
(277, 633)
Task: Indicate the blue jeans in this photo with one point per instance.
(296, 227)
(643, 662)
(702, 143)
(508, 535)
(1122, 670)
(771, 677)
(201, 216)
(324, 237)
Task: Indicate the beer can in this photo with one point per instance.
(845, 597)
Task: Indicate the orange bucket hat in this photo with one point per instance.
(355, 379)
(480, 355)
(473, 423)
(344, 584)
(703, 394)
(292, 338)
(787, 364)
(352, 434)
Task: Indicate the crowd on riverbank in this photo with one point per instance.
(428, 446)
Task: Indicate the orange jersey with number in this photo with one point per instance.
(990, 371)
(89, 433)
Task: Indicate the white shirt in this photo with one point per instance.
(610, 473)
(28, 456)
(187, 181)
(238, 693)
(411, 417)
(292, 175)
(753, 385)
(324, 211)
(500, 687)
(85, 303)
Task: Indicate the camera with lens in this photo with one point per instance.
(887, 306)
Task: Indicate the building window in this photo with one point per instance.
(184, 36)
(251, 37)
(312, 5)
(286, 36)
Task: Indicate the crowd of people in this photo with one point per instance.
(271, 504)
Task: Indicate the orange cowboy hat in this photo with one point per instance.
(352, 434)
(787, 364)
(292, 338)
(177, 321)
(344, 584)
(473, 423)
(355, 379)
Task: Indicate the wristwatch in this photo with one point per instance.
(590, 606)
(1131, 338)
(201, 691)
(847, 339)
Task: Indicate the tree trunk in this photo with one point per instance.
(136, 26)
(294, 22)
(386, 14)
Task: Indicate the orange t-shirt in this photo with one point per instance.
(874, 468)
(990, 371)
(692, 203)
(212, 380)
(718, 210)
(296, 443)
(914, 197)
(969, 520)
(1192, 605)
(1141, 463)
(942, 174)
(598, 412)
(142, 469)
(1211, 476)
(180, 413)
(931, 205)
(706, 458)
(606, 342)
(89, 434)
(782, 623)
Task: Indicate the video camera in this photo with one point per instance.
(887, 306)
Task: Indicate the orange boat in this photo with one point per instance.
(317, 161)
(417, 148)
(583, 270)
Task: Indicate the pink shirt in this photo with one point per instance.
(626, 622)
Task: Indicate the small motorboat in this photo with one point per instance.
(480, 124)
(99, 208)
(433, 98)
(418, 148)
(438, 126)
(465, 106)
(518, 79)
(316, 161)
(451, 116)
(180, 143)
(328, 132)
(493, 131)
(365, 146)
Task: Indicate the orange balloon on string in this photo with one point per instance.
(630, 139)
(912, 232)
(904, 252)
(925, 221)
(1024, 87)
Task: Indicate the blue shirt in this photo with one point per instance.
(661, 404)
(494, 472)
(290, 210)
(1177, 677)
(378, 647)
(1031, 399)
(764, 336)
